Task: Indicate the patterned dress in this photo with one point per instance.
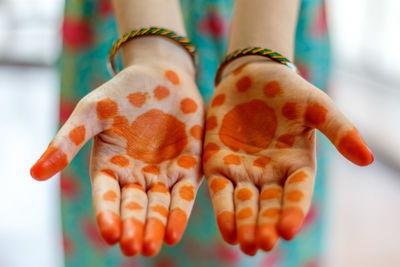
(89, 29)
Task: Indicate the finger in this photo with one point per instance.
(297, 198)
(221, 191)
(133, 215)
(323, 114)
(246, 203)
(78, 129)
(157, 213)
(106, 199)
(270, 208)
(183, 195)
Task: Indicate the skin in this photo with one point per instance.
(259, 157)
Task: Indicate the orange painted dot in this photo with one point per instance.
(197, 132)
(51, 162)
(134, 186)
(289, 110)
(109, 173)
(271, 212)
(210, 150)
(285, 141)
(120, 160)
(231, 160)
(172, 77)
(110, 195)
(218, 100)
(161, 92)
(298, 177)
(315, 114)
(272, 89)
(151, 169)
(211, 123)
(245, 213)
(137, 99)
(244, 194)
(271, 193)
(187, 162)
(159, 188)
(261, 162)
(186, 192)
(243, 84)
(250, 127)
(153, 137)
(218, 184)
(294, 195)
(354, 149)
(160, 209)
(106, 109)
(133, 206)
(77, 135)
(188, 105)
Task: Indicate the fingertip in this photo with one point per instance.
(354, 149)
(267, 236)
(132, 237)
(247, 239)
(51, 162)
(227, 226)
(109, 225)
(290, 222)
(176, 226)
(154, 234)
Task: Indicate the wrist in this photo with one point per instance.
(152, 50)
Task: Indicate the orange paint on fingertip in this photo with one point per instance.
(161, 92)
(172, 77)
(187, 162)
(243, 84)
(227, 226)
(231, 159)
(153, 237)
(51, 162)
(109, 225)
(186, 192)
(106, 109)
(247, 239)
(267, 236)
(131, 237)
(177, 222)
(272, 89)
(354, 149)
(77, 135)
(290, 222)
(120, 160)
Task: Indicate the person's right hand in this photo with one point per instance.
(147, 124)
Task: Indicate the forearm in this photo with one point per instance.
(132, 14)
(265, 23)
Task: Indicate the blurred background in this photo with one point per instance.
(363, 209)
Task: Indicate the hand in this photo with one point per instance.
(145, 163)
(259, 152)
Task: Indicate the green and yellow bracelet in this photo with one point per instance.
(150, 31)
(252, 51)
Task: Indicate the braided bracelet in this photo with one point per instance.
(150, 31)
(253, 50)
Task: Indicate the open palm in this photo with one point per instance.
(259, 152)
(145, 165)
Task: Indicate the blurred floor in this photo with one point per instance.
(363, 222)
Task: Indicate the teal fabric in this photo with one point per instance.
(89, 29)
